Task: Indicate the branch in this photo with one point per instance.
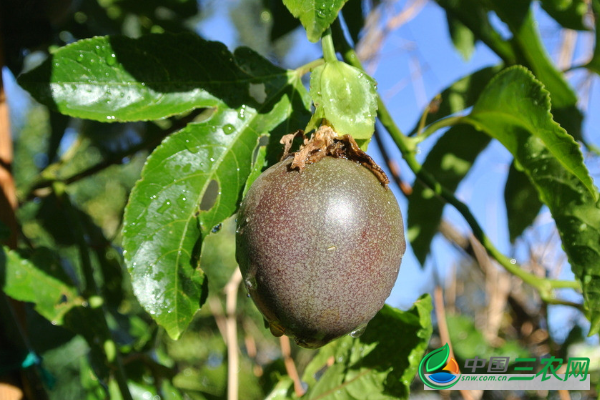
(231, 290)
(407, 147)
(440, 315)
(290, 367)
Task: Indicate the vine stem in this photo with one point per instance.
(436, 126)
(328, 48)
(407, 147)
(231, 290)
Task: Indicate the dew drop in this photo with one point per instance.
(165, 206)
(111, 60)
(250, 283)
(228, 129)
(359, 331)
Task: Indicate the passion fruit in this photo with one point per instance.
(319, 249)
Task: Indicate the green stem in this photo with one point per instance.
(436, 126)
(306, 68)
(407, 148)
(328, 48)
(90, 291)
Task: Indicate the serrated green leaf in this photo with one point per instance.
(315, 15)
(449, 161)
(437, 358)
(462, 37)
(522, 202)
(461, 95)
(531, 53)
(115, 78)
(514, 108)
(344, 96)
(515, 100)
(568, 13)
(381, 363)
(39, 280)
(165, 220)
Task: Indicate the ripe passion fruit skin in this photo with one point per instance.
(319, 249)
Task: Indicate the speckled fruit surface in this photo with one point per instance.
(320, 249)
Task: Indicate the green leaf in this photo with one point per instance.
(461, 95)
(115, 78)
(381, 363)
(282, 390)
(475, 15)
(449, 161)
(469, 342)
(515, 101)
(283, 21)
(169, 210)
(346, 97)
(315, 15)
(514, 108)
(532, 54)
(462, 37)
(39, 280)
(354, 18)
(522, 202)
(568, 13)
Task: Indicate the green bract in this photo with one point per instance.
(346, 97)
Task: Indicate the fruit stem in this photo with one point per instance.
(328, 48)
(306, 68)
(407, 147)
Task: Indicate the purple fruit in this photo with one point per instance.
(319, 249)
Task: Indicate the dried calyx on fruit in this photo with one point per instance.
(320, 240)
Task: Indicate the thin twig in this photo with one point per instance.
(217, 311)
(567, 48)
(392, 165)
(231, 290)
(290, 367)
(440, 315)
(371, 43)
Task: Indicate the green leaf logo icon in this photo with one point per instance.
(437, 359)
